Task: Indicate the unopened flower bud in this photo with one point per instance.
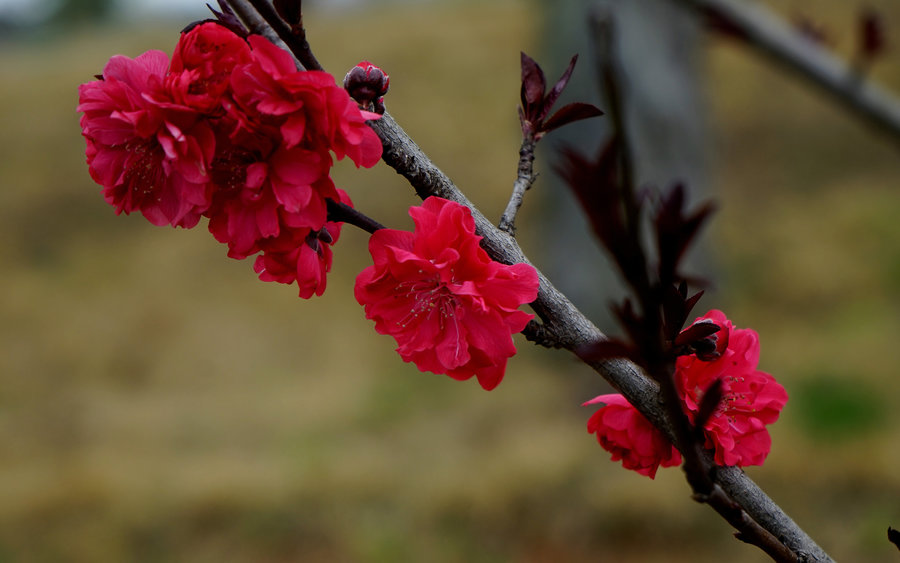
(366, 83)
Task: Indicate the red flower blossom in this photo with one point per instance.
(628, 436)
(451, 309)
(149, 153)
(260, 184)
(751, 399)
(202, 63)
(308, 107)
(300, 254)
(230, 130)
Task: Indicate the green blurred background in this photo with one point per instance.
(159, 403)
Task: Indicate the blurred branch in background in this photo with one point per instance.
(784, 45)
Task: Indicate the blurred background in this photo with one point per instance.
(159, 403)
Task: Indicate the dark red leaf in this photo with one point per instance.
(894, 536)
(871, 34)
(228, 19)
(595, 185)
(691, 301)
(533, 86)
(697, 331)
(569, 114)
(675, 231)
(557, 89)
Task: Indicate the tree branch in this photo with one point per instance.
(566, 327)
(573, 331)
(770, 36)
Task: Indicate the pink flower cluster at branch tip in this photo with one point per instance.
(232, 131)
(451, 309)
(736, 432)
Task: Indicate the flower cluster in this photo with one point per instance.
(451, 309)
(736, 432)
(232, 131)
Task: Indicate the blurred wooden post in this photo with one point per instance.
(658, 44)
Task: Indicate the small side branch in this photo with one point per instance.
(538, 333)
(343, 213)
(524, 181)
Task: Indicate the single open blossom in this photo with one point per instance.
(751, 399)
(630, 437)
(451, 309)
(148, 152)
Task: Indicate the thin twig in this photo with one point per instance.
(524, 181)
(343, 213)
(772, 37)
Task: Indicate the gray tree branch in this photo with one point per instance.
(773, 38)
(565, 326)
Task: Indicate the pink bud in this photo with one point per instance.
(366, 83)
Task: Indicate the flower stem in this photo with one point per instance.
(343, 213)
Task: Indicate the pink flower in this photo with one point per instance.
(309, 108)
(232, 131)
(202, 63)
(628, 436)
(451, 309)
(260, 185)
(751, 399)
(149, 153)
(300, 254)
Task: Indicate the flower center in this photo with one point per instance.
(229, 169)
(144, 174)
(430, 298)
